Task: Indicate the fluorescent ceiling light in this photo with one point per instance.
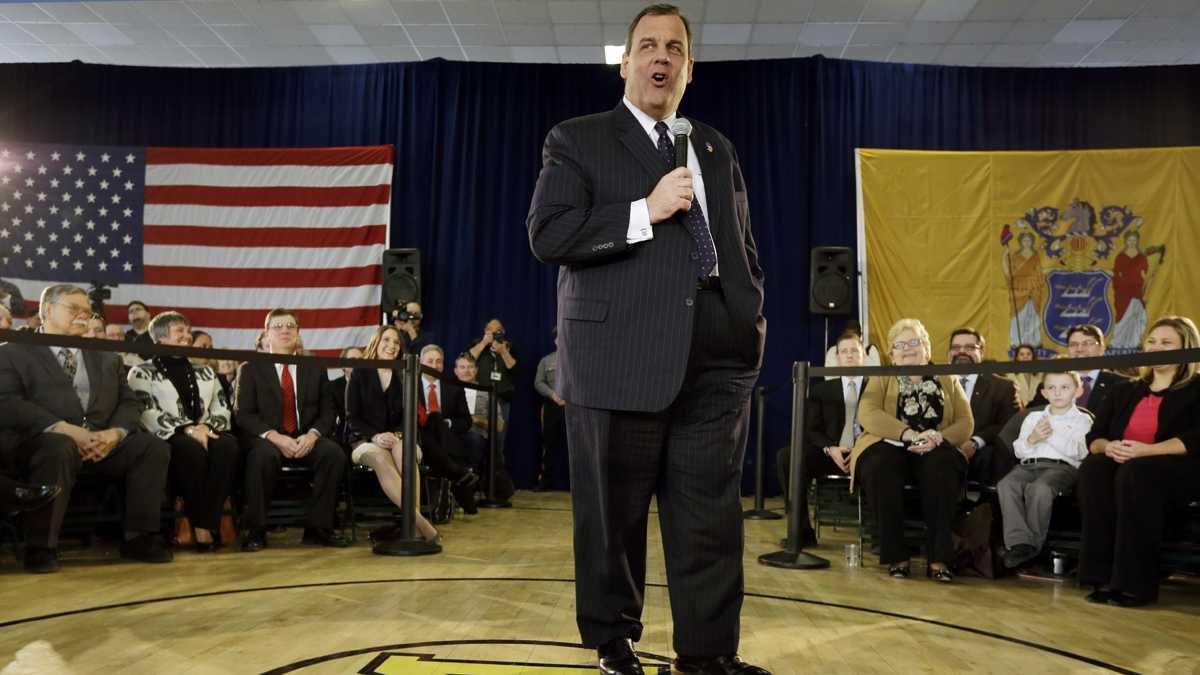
(613, 54)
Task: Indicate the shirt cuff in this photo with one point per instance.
(978, 442)
(639, 223)
(315, 433)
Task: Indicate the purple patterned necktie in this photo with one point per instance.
(1086, 393)
(706, 251)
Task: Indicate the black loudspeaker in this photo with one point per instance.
(831, 280)
(401, 278)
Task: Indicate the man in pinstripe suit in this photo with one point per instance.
(660, 340)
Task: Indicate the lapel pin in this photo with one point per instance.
(708, 146)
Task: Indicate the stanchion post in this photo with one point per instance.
(493, 414)
(759, 512)
(794, 557)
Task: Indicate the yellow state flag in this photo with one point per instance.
(1023, 245)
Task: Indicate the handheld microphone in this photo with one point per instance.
(681, 129)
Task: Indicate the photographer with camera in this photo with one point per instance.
(496, 361)
(407, 319)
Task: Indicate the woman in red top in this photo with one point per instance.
(1145, 457)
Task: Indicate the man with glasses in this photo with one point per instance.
(993, 402)
(66, 407)
(1087, 341)
(284, 413)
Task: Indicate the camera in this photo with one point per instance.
(499, 337)
(98, 293)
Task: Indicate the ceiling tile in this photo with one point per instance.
(172, 56)
(879, 33)
(915, 53)
(121, 13)
(491, 54)
(837, 10)
(614, 34)
(1054, 54)
(274, 13)
(770, 51)
(743, 11)
(139, 36)
(170, 13)
(535, 54)
(579, 34)
(384, 35)
(575, 12)
(428, 36)
(1088, 31)
(930, 32)
(1171, 8)
(194, 35)
(692, 9)
(481, 35)
(963, 55)
(319, 12)
(530, 36)
(370, 13)
(1054, 9)
(1110, 9)
(422, 12)
(337, 36)
(945, 10)
(999, 10)
(71, 12)
(82, 53)
(266, 55)
(1035, 31)
(1144, 29)
(240, 35)
(1009, 55)
(581, 54)
(345, 55)
(619, 11)
(103, 34)
(471, 12)
(725, 34)
(1112, 52)
(775, 33)
(867, 52)
(23, 12)
(218, 56)
(720, 52)
(53, 33)
(395, 53)
(289, 36)
(822, 34)
(982, 32)
(1166, 51)
(442, 52)
(128, 56)
(524, 11)
(793, 11)
(892, 10)
(11, 34)
(218, 13)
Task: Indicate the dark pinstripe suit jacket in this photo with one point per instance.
(625, 313)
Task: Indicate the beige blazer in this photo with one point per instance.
(877, 415)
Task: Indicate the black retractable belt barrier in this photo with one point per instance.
(759, 512)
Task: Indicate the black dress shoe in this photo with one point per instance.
(464, 494)
(943, 575)
(717, 665)
(254, 540)
(900, 571)
(1128, 600)
(146, 547)
(32, 497)
(324, 537)
(1099, 596)
(618, 658)
(39, 560)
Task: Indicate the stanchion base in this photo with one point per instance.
(406, 547)
(493, 504)
(760, 514)
(798, 560)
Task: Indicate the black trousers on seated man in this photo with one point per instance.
(688, 456)
(140, 460)
(263, 464)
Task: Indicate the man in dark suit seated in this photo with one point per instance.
(284, 413)
(338, 388)
(68, 407)
(993, 402)
(17, 497)
(444, 420)
(831, 426)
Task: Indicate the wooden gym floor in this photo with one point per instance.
(499, 600)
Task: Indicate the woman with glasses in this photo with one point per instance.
(185, 405)
(374, 415)
(913, 427)
(1145, 446)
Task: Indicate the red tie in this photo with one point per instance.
(289, 402)
(434, 406)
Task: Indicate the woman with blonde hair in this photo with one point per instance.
(1145, 446)
(375, 416)
(913, 427)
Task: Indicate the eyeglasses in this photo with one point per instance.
(74, 309)
(291, 325)
(911, 344)
(965, 348)
(1083, 343)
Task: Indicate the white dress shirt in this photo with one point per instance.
(1067, 442)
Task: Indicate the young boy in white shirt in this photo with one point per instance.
(1050, 447)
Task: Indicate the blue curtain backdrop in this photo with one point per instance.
(468, 148)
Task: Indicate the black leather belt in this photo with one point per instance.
(708, 284)
(1044, 460)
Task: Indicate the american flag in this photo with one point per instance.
(221, 235)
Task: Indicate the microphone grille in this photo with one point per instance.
(681, 127)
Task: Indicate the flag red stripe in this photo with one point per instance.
(367, 275)
(297, 237)
(377, 154)
(206, 195)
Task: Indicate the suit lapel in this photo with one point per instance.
(50, 362)
(709, 170)
(91, 360)
(634, 138)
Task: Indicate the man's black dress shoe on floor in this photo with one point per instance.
(323, 537)
(146, 547)
(39, 560)
(254, 540)
(717, 665)
(618, 658)
(30, 497)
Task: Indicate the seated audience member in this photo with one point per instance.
(1087, 341)
(913, 430)
(11, 299)
(375, 421)
(444, 418)
(408, 321)
(184, 404)
(831, 427)
(870, 353)
(1049, 448)
(475, 443)
(495, 357)
(338, 387)
(1145, 447)
(69, 407)
(19, 497)
(202, 340)
(554, 425)
(96, 327)
(34, 323)
(1027, 384)
(113, 332)
(139, 322)
(993, 401)
(6, 319)
(284, 413)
